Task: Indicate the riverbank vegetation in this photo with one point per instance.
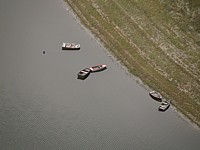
(158, 41)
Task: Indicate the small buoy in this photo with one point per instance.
(43, 52)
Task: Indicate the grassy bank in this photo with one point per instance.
(157, 41)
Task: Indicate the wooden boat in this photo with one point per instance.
(83, 74)
(98, 68)
(156, 95)
(164, 105)
(70, 46)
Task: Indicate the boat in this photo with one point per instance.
(156, 95)
(70, 46)
(164, 105)
(98, 68)
(83, 74)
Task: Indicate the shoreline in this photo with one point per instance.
(180, 111)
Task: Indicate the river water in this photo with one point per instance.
(44, 106)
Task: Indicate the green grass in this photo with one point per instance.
(157, 42)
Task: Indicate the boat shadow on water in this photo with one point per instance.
(82, 78)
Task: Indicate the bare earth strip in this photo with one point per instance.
(151, 44)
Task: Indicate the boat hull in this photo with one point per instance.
(70, 46)
(156, 96)
(64, 48)
(83, 74)
(164, 106)
(98, 68)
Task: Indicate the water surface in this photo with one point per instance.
(44, 106)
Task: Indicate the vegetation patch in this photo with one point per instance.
(158, 41)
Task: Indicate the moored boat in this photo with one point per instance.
(156, 95)
(98, 68)
(83, 74)
(164, 105)
(70, 46)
